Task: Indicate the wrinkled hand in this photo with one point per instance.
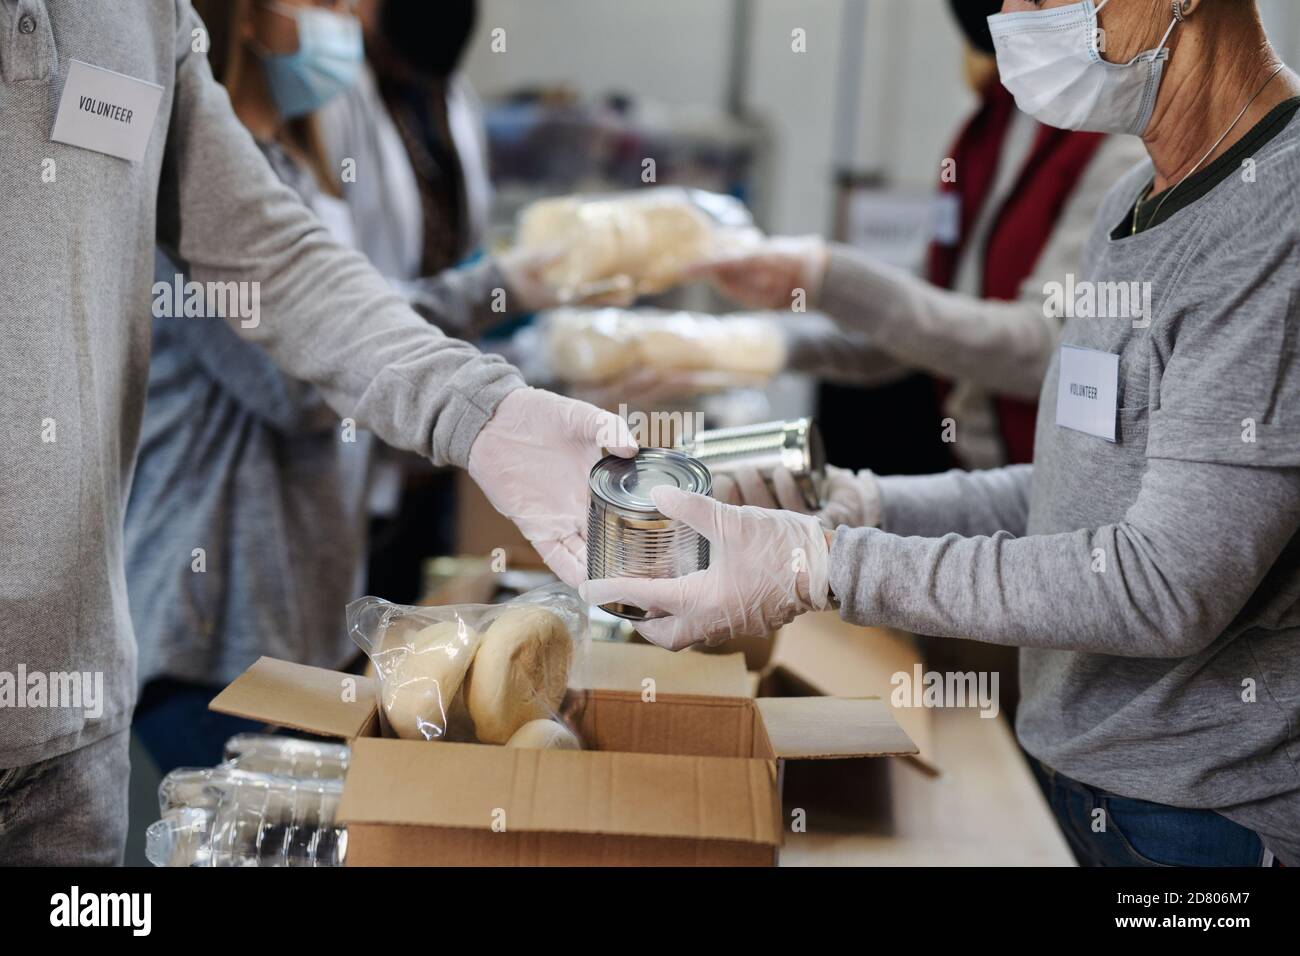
(532, 460)
(766, 567)
(525, 273)
(851, 498)
(767, 275)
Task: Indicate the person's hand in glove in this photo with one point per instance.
(852, 498)
(765, 568)
(532, 459)
(767, 275)
(525, 273)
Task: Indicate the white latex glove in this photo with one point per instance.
(532, 460)
(851, 498)
(766, 275)
(745, 486)
(523, 270)
(765, 568)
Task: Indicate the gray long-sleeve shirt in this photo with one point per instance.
(78, 255)
(249, 465)
(886, 317)
(1153, 582)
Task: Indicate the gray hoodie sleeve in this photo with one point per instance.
(1165, 582)
(1003, 347)
(961, 502)
(330, 319)
(465, 302)
(816, 346)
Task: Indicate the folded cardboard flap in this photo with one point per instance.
(708, 724)
(823, 654)
(628, 667)
(310, 699)
(506, 789)
(821, 728)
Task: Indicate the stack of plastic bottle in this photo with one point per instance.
(271, 802)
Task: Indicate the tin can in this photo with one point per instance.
(796, 445)
(627, 537)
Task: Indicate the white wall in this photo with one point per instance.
(911, 94)
(1282, 21)
(794, 93)
(667, 49)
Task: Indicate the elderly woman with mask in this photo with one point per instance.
(1147, 563)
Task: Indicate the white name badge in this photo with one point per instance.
(947, 219)
(105, 111)
(1087, 395)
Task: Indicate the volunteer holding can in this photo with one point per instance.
(1147, 561)
(86, 196)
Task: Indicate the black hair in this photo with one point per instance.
(972, 16)
(429, 36)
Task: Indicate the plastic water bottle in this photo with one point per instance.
(225, 816)
(287, 756)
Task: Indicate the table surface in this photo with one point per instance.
(983, 809)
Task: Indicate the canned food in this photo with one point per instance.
(627, 536)
(796, 445)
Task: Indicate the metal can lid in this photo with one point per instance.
(627, 482)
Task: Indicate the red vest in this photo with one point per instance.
(1021, 227)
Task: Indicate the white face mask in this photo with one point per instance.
(1049, 61)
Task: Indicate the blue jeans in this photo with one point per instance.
(1105, 829)
(173, 722)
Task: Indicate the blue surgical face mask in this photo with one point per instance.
(326, 63)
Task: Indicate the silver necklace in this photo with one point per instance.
(1169, 192)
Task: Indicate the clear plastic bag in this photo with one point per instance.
(493, 674)
(635, 242)
(699, 351)
(223, 816)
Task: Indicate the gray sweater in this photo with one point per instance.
(1154, 582)
(78, 266)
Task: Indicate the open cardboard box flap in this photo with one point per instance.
(333, 704)
(391, 782)
(822, 654)
(318, 701)
(311, 699)
(821, 728)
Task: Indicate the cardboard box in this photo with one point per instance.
(756, 650)
(682, 767)
(823, 654)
